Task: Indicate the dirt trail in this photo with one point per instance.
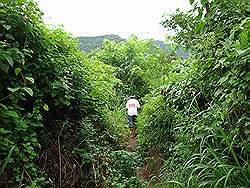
(151, 167)
(132, 143)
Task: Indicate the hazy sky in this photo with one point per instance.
(121, 17)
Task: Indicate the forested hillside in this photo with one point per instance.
(88, 44)
(62, 111)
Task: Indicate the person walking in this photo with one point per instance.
(132, 106)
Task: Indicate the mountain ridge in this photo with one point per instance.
(90, 43)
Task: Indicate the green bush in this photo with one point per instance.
(122, 170)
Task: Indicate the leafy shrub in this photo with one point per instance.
(123, 169)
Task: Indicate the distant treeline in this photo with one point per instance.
(89, 44)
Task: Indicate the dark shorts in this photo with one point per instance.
(131, 121)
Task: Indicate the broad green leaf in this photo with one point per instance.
(242, 52)
(46, 107)
(217, 93)
(66, 102)
(13, 89)
(22, 61)
(5, 107)
(199, 27)
(9, 59)
(7, 27)
(9, 36)
(34, 140)
(191, 1)
(7, 1)
(30, 79)
(53, 93)
(28, 90)
(11, 113)
(20, 1)
(3, 131)
(203, 2)
(12, 1)
(223, 79)
(17, 71)
(5, 67)
(3, 11)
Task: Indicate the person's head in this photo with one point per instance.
(132, 97)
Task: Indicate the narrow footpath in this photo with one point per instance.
(149, 173)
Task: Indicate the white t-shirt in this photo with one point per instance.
(132, 106)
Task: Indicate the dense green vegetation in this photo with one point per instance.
(55, 104)
(201, 125)
(62, 116)
(89, 44)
